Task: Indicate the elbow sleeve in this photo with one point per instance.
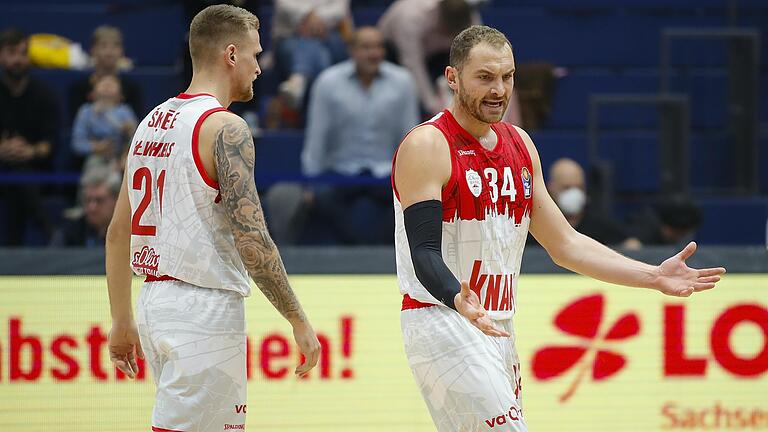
(424, 227)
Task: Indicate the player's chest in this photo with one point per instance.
(493, 179)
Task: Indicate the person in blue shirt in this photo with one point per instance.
(103, 127)
(359, 110)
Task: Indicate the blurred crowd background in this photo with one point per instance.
(650, 116)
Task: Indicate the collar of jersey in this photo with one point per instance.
(190, 96)
(495, 152)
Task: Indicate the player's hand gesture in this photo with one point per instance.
(468, 304)
(124, 346)
(675, 278)
(309, 346)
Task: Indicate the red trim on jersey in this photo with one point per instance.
(157, 429)
(451, 181)
(190, 96)
(195, 148)
(151, 278)
(392, 174)
(409, 303)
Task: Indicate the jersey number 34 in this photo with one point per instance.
(507, 185)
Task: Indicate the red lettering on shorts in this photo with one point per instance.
(513, 414)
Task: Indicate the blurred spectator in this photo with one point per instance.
(674, 221)
(100, 186)
(103, 127)
(28, 127)
(106, 55)
(568, 189)
(359, 111)
(535, 88)
(419, 33)
(308, 36)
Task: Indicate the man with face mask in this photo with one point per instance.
(28, 124)
(567, 187)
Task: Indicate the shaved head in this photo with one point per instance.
(564, 174)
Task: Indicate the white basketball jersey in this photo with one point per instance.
(178, 228)
(486, 213)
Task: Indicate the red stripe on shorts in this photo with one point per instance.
(157, 429)
(409, 303)
(151, 278)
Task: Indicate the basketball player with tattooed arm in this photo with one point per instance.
(189, 218)
(467, 189)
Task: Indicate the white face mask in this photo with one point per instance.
(571, 201)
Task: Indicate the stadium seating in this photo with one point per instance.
(606, 47)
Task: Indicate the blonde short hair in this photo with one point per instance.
(106, 33)
(216, 25)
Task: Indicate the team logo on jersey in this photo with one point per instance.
(525, 176)
(474, 182)
(466, 153)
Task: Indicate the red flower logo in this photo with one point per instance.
(583, 319)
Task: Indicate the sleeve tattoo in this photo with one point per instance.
(235, 156)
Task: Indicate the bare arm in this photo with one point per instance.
(124, 343)
(581, 254)
(318, 132)
(118, 252)
(235, 158)
(422, 167)
(407, 36)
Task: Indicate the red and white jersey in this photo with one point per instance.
(487, 207)
(178, 229)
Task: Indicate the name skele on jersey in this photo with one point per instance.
(153, 149)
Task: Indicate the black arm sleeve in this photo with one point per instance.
(424, 228)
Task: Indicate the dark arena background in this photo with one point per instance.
(663, 104)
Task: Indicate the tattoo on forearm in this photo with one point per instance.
(234, 155)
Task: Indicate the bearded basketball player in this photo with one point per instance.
(467, 189)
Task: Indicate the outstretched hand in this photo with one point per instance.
(468, 304)
(675, 278)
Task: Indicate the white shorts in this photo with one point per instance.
(470, 381)
(194, 343)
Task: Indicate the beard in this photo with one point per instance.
(474, 107)
(17, 72)
(246, 92)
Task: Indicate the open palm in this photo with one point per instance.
(675, 278)
(468, 304)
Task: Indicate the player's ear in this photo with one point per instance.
(451, 75)
(230, 54)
